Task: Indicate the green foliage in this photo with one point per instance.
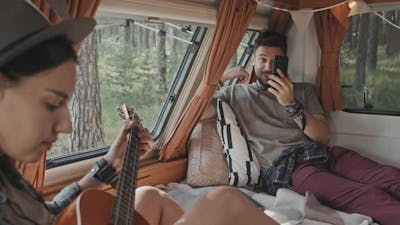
(130, 77)
(382, 87)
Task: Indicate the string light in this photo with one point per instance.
(306, 10)
(356, 7)
(360, 7)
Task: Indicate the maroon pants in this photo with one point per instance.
(354, 184)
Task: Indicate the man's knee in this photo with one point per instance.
(392, 185)
(391, 171)
(302, 176)
(369, 193)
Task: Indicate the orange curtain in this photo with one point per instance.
(34, 172)
(233, 19)
(331, 26)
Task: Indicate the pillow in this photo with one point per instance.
(244, 168)
(206, 159)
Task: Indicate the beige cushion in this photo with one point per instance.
(207, 165)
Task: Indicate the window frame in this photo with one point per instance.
(179, 81)
(248, 51)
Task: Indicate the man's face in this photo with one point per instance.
(264, 61)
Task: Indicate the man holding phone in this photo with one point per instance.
(276, 116)
(285, 126)
(270, 67)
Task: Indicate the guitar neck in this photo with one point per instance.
(125, 201)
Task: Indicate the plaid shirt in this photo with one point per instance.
(9, 175)
(279, 175)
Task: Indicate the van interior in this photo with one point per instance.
(165, 59)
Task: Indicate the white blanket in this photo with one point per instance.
(288, 207)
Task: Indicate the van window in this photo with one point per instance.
(243, 53)
(370, 64)
(126, 61)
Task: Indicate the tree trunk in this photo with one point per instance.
(355, 34)
(86, 105)
(153, 38)
(145, 38)
(173, 41)
(347, 38)
(128, 37)
(161, 61)
(100, 34)
(372, 41)
(392, 38)
(133, 34)
(361, 52)
(398, 16)
(115, 32)
(390, 29)
(138, 37)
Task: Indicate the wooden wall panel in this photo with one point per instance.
(151, 172)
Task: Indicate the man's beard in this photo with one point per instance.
(260, 84)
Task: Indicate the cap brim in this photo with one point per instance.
(74, 30)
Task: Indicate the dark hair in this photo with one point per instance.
(45, 55)
(271, 39)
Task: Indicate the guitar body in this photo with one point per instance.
(92, 207)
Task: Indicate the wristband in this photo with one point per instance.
(294, 109)
(103, 171)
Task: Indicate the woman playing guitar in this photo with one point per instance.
(37, 79)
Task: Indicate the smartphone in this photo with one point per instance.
(280, 62)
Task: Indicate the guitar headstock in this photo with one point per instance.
(128, 114)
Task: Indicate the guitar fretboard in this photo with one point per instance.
(124, 203)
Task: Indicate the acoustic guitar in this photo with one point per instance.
(96, 207)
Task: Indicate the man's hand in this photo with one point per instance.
(282, 88)
(235, 72)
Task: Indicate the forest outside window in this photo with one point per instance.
(370, 64)
(123, 61)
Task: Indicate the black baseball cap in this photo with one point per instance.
(23, 25)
